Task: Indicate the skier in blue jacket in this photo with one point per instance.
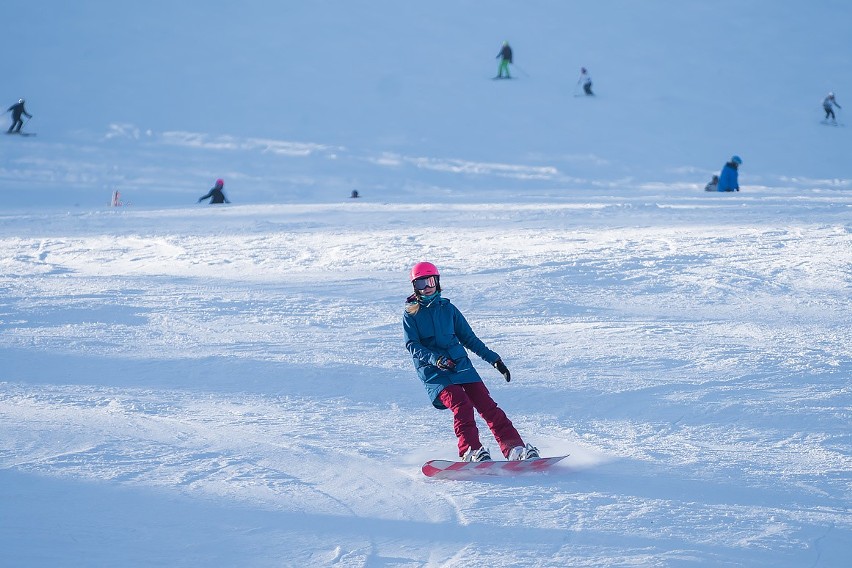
(729, 178)
(438, 338)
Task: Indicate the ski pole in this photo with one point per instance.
(521, 69)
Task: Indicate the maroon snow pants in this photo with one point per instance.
(461, 400)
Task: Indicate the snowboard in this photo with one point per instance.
(22, 133)
(446, 469)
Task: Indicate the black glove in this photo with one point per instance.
(445, 363)
(500, 366)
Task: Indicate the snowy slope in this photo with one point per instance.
(185, 385)
(295, 100)
(691, 353)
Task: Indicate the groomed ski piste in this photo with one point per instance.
(193, 385)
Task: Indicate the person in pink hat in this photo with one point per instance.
(216, 195)
(439, 338)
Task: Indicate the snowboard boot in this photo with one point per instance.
(528, 452)
(479, 455)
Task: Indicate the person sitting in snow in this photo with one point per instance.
(438, 337)
(712, 184)
(216, 195)
(729, 178)
(827, 103)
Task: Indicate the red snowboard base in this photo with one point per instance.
(455, 469)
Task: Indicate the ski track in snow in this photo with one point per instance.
(690, 356)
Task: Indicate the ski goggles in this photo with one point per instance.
(425, 282)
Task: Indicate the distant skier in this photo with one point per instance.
(729, 178)
(216, 195)
(827, 103)
(17, 110)
(439, 338)
(505, 57)
(585, 80)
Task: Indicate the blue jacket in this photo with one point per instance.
(728, 179)
(439, 329)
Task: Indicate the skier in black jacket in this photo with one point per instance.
(505, 57)
(216, 193)
(17, 110)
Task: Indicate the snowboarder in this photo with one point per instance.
(827, 103)
(585, 80)
(17, 110)
(438, 337)
(505, 57)
(713, 184)
(216, 193)
(729, 178)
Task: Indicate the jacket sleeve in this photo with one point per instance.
(469, 339)
(412, 342)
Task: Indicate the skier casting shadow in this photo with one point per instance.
(17, 110)
(505, 57)
(438, 338)
(216, 195)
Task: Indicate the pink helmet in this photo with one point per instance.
(422, 269)
(220, 182)
(423, 275)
